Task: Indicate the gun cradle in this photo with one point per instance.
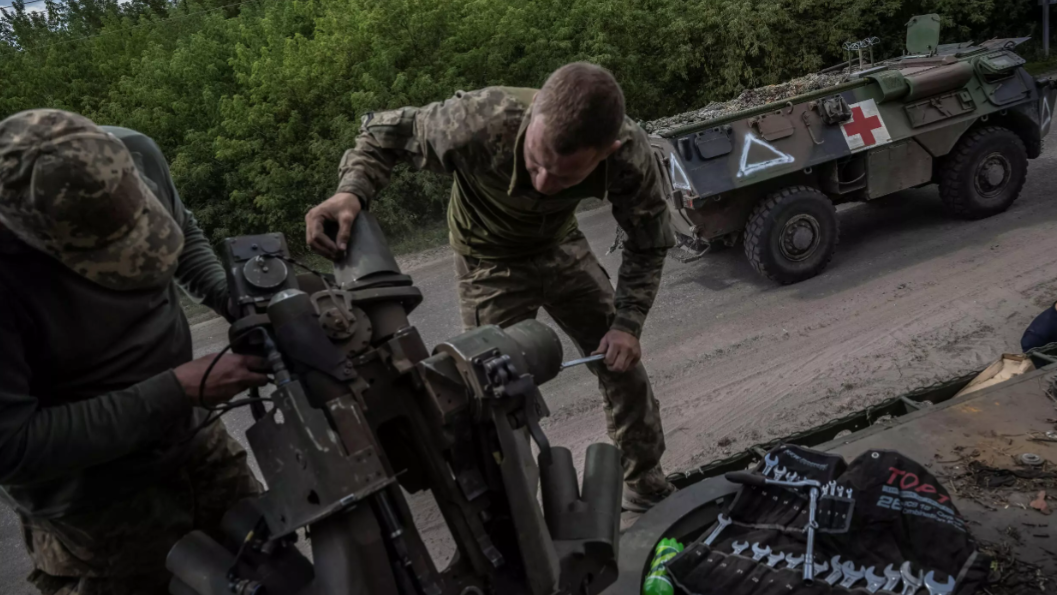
(361, 409)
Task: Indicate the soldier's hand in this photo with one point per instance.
(342, 208)
(231, 375)
(622, 350)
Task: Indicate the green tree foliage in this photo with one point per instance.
(255, 101)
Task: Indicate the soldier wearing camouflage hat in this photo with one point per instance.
(522, 160)
(99, 393)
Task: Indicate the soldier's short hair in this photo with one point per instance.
(583, 107)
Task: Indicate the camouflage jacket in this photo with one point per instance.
(90, 409)
(494, 212)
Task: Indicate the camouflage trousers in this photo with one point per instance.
(120, 549)
(570, 284)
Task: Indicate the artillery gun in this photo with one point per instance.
(964, 116)
(363, 413)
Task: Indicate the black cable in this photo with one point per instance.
(241, 403)
(215, 414)
(256, 408)
(223, 408)
(291, 260)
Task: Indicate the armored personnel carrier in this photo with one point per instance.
(965, 116)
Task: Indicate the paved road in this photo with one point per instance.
(911, 298)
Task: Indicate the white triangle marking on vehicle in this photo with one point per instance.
(747, 169)
(679, 179)
(1047, 114)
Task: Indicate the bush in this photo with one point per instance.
(255, 103)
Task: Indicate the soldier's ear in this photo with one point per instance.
(613, 148)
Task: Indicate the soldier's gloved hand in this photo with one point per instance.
(622, 350)
(341, 208)
(231, 375)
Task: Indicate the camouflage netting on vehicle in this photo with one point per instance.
(748, 99)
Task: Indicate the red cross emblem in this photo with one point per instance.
(863, 126)
(866, 128)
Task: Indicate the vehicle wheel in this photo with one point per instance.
(984, 173)
(792, 235)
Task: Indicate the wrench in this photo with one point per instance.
(851, 575)
(770, 461)
(724, 522)
(893, 576)
(740, 547)
(937, 588)
(779, 473)
(911, 583)
(820, 567)
(759, 552)
(874, 581)
(775, 559)
(583, 360)
(836, 574)
(793, 561)
(840, 490)
(813, 491)
(792, 477)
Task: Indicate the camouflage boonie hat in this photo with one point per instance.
(71, 190)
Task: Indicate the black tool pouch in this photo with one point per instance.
(884, 509)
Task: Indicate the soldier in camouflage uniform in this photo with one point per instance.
(98, 390)
(522, 160)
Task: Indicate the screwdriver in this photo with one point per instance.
(583, 360)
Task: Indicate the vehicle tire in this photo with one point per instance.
(984, 173)
(792, 234)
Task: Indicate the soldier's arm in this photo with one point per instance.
(199, 272)
(435, 137)
(638, 200)
(39, 443)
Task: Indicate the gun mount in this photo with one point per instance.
(362, 409)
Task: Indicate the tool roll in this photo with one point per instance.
(881, 525)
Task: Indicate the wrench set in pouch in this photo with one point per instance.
(807, 523)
